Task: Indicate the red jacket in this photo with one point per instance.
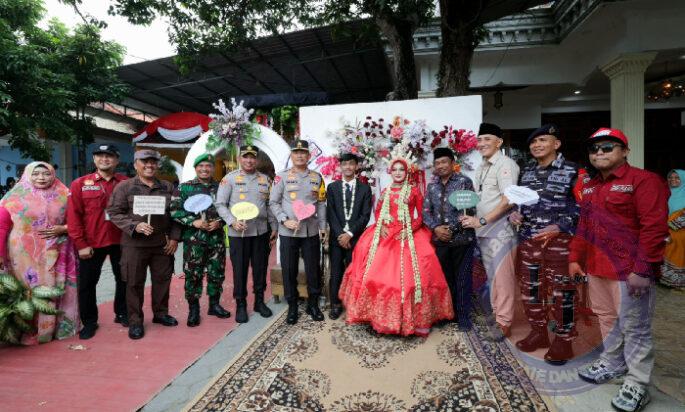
(86, 218)
(622, 226)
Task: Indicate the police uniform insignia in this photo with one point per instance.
(242, 196)
(293, 195)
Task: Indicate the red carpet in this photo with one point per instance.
(113, 373)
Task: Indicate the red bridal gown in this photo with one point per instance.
(377, 299)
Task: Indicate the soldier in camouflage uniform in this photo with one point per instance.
(546, 229)
(204, 251)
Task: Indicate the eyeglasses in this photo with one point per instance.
(603, 147)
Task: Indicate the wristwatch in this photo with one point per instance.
(482, 221)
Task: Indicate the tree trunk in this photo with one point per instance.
(458, 27)
(400, 36)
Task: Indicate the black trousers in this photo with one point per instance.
(457, 264)
(339, 258)
(290, 256)
(245, 252)
(89, 275)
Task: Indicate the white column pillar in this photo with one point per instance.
(627, 76)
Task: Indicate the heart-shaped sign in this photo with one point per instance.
(197, 203)
(522, 196)
(245, 210)
(463, 199)
(303, 210)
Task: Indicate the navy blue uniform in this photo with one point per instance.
(543, 264)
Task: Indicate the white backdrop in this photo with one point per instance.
(464, 112)
(269, 142)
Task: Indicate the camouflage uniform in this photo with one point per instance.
(203, 252)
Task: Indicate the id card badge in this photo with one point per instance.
(107, 216)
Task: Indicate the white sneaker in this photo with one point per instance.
(631, 398)
(599, 372)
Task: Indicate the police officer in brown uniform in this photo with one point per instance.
(307, 186)
(145, 245)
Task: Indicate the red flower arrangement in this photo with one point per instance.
(460, 140)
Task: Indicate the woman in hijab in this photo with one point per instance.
(673, 271)
(35, 248)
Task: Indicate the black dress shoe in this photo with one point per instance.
(88, 331)
(536, 339)
(166, 320)
(122, 319)
(292, 314)
(314, 311)
(336, 311)
(136, 332)
(241, 312)
(215, 309)
(560, 352)
(261, 308)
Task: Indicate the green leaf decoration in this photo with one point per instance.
(44, 306)
(25, 309)
(10, 334)
(47, 292)
(23, 325)
(10, 283)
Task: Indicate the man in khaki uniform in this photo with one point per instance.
(496, 236)
(308, 186)
(145, 245)
(250, 241)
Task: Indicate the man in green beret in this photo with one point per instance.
(204, 251)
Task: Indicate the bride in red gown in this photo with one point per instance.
(395, 281)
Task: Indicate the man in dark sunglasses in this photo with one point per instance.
(619, 246)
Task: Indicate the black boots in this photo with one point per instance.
(193, 313)
(215, 309)
(560, 352)
(313, 309)
(536, 339)
(336, 311)
(292, 313)
(260, 307)
(241, 311)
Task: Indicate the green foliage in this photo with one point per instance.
(200, 27)
(19, 305)
(49, 76)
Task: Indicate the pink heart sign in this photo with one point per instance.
(303, 210)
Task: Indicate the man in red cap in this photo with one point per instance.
(619, 246)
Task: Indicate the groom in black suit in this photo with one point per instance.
(348, 212)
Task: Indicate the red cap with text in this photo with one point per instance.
(606, 133)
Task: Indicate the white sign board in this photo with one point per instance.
(198, 203)
(149, 205)
(522, 196)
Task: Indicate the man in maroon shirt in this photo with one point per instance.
(96, 237)
(619, 246)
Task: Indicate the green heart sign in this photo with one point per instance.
(463, 199)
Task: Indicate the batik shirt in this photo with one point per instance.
(557, 206)
(437, 210)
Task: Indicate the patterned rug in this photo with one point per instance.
(331, 366)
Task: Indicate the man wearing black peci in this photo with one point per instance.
(348, 210)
